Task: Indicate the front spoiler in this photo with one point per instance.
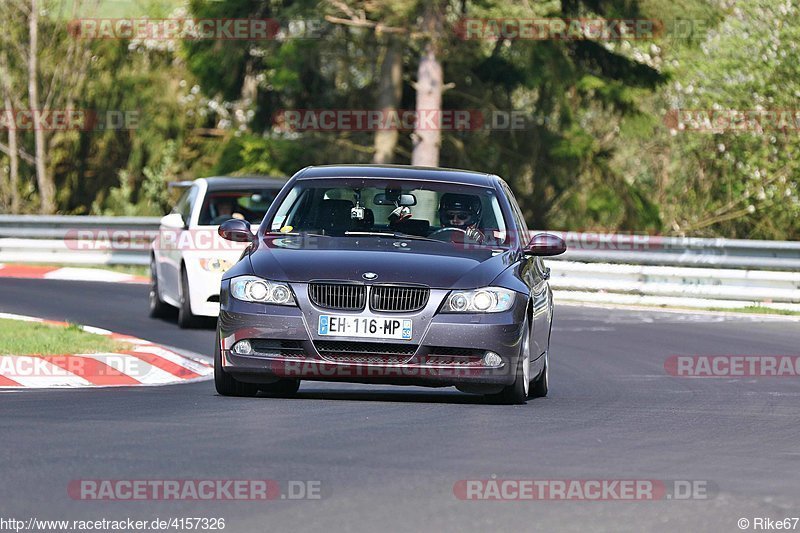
(248, 368)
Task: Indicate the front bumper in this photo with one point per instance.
(204, 284)
(446, 349)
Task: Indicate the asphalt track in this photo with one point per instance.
(388, 458)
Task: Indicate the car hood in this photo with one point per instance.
(438, 265)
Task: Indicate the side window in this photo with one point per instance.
(286, 211)
(518, 218)
(186, 211)
(180, 205)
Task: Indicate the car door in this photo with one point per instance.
(543, 299)
(534, 274)
(172, 244)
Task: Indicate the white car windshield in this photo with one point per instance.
(246, 204)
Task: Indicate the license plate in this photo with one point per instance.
(370, 327)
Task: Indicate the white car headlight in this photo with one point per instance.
(485, 300)
(253, 289)
(214, 264)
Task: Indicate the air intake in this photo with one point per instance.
(398, 298)
(340, 296)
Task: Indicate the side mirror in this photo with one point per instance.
(544, 244)
(173, 221)
(236, 230)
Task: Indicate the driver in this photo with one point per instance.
(462, 211)
(226, 207)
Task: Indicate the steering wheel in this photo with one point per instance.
(447, 233)
(219, 219)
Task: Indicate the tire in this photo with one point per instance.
(540, 385)
(283, 387)
(225, 384)
(186, 319)
(517, 392)
(158, 308)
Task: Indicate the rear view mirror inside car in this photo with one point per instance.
(397, 199)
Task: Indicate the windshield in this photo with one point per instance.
(247, 204)
(446, 212)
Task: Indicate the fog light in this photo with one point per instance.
(243, 347)
(492, 359)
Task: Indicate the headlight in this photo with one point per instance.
(486, 300)
(213, 264)
(253, 289)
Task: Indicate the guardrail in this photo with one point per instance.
(62, 227)
(680, 251)
(747, 287)
(62, 252)
(597, 266)
(53, 239)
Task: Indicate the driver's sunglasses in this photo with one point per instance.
(457, 215)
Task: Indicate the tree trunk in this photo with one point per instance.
(390, 92)
(13, 143)
(13, 156)
(43, 180)
(427, 135)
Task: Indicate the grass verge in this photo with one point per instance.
(134, 270)
(20, 337)
(751, 309)
(757, 309)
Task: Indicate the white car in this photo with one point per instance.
(188, 258)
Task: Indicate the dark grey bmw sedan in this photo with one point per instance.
(388, 274)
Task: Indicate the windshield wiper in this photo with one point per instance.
(295, 234)
(394, 235)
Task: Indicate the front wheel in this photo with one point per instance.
(517, 392)
(158, 308)
(225, 384)
(186, 319)
(542, 382)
